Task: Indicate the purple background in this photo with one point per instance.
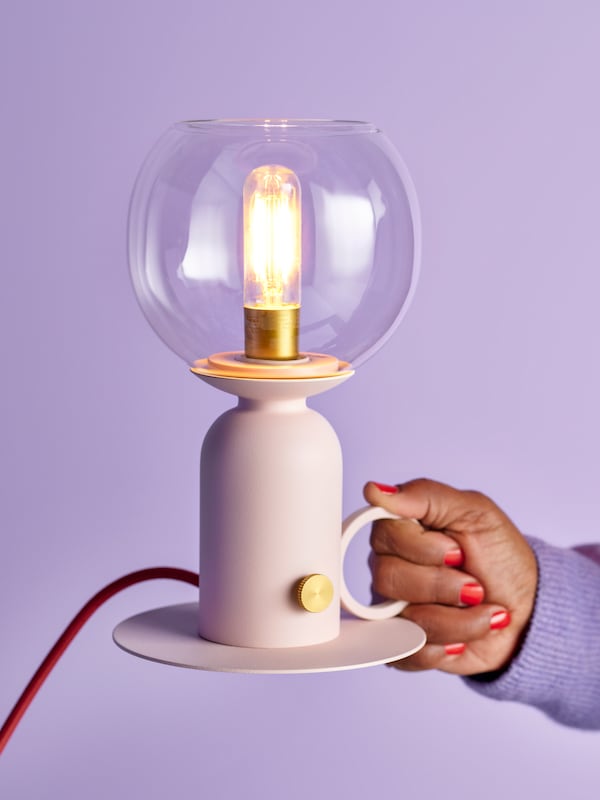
(491, 382)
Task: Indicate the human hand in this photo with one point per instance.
(469, 575)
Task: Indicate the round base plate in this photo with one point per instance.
(169, 635)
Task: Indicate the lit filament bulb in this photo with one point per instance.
(272, 256)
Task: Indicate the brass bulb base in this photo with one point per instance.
(272, 333)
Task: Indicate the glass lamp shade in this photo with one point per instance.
(359, 234)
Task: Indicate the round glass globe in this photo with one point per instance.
(360, 236)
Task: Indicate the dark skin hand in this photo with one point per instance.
(448, 540)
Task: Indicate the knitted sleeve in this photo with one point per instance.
(557, 668)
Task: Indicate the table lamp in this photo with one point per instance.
(274, 256)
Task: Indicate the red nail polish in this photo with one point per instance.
(455, 649)
(454, 558)
(499, 620)
(471, 594)
(383, 487)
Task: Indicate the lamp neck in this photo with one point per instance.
(274, 406)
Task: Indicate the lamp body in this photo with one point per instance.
(271, 504)
(274, 256)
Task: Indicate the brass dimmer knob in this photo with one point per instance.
(315, 592)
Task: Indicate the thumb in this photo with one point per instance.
(435, 505)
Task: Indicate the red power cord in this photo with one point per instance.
(73, 629)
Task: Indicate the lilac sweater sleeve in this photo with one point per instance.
(558, 666)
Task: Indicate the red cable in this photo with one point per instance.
(74, 627)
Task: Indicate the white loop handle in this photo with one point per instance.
(350, 527)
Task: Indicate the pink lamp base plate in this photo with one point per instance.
(169, 635)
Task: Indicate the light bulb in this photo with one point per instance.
(272, 260)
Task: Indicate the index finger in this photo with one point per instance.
(436, 505)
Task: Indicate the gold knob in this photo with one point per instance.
(315, 592)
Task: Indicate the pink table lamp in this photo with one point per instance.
(274, 257)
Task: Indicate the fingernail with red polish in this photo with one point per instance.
(471, 594)
(499, 620)
(455, 649)
(383, 487)
(454, 558)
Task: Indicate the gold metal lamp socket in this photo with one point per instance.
(271, 334)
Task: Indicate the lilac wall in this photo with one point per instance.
(492, 382)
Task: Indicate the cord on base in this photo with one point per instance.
(73, 629)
